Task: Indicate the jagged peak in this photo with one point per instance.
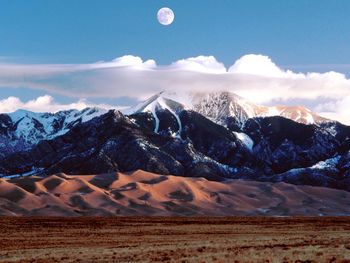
(220, 105)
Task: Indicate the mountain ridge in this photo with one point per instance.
(166, 137)
(115, 142)
(220, 107)
(22, 129)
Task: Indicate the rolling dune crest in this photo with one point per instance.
(142, 193)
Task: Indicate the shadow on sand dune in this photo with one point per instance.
(142, 193)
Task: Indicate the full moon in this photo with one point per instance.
(165, 16)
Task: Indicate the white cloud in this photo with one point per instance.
(205, 64)
(255, 77)
(46, 103)
(336, 110)
(258, 65)
(125, 61)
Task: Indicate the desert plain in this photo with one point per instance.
(145, 217)
(175, 239)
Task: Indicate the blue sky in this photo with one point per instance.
(298, 35)
(292, 32)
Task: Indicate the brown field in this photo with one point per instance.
(175, 239)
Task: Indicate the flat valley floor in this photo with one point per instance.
(175, 239)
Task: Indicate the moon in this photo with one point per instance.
(165, 16)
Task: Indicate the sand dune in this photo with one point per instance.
(143, 193)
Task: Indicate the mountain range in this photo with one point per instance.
(22, 129)
(224, 107)
(217, 136)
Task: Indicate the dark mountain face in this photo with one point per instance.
(187, 143)
(203, 135)
(96, 147)
(281, 144)
(214, 140)
(115, 142)
(20, 130)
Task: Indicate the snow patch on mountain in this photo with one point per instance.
(30, 173)
(33, 127)
(296, 113)
(22, 129)
(245, 139)
(329, 163)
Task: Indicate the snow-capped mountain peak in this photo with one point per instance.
(22, 129)
(33, 126)
(299, 114)
(219, 106)
(160, 102)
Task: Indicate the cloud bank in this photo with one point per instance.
(47, 103)
(255, 77)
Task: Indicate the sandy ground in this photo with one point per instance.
(174, 239)
(141, 193)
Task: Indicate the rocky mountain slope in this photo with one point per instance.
(224, 108)
(22, 129)
(264, 149)
(218, 140)
(115, 142)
